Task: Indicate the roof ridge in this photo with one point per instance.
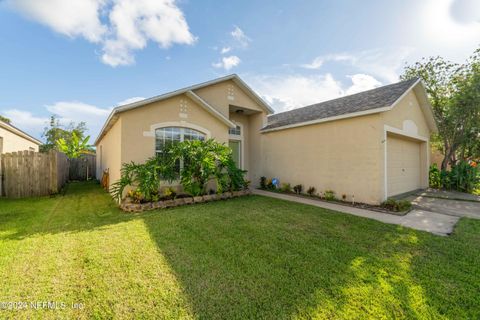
(413, 80)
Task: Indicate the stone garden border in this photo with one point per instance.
(140, 207)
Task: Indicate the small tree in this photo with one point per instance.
(75, 147)
(56, 131)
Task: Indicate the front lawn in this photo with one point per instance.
(251, 257)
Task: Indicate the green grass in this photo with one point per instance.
(251, 257)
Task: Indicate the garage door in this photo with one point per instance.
(403, 165)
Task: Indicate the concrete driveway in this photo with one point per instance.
(447, 202)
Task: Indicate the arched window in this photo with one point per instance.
(167, 136)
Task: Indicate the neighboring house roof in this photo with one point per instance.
(189, 91)
(367, 102)
(18, 132)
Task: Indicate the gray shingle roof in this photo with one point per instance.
(367, 100)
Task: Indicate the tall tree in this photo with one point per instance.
(453, 92)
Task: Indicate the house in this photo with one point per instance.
(367, 146)
(13, 139)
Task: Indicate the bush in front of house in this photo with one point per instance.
(396, 205)
(145, 177)
(203, 162)
(329, 195)
(298, 189)
(464, 176)
(206, 161)
(311, 191)
(263, 183)
(286, 187)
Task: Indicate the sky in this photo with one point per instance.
(78, 59)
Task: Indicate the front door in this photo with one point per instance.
(236, 147)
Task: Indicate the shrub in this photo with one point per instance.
(445, 180)
(135, 195)
(169, 193)
(396, 205)
(206, 160)
(311, 191)
(298, 188)
(434, 179)
(329, 195)
(464, 176)
(203, 161)
(145, 177)
(263, 182)
(270, 185)
(286, 187)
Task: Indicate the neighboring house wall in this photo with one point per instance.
(109, 152)
(13, 142)
(343, 156)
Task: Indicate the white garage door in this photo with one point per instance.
(403, 165)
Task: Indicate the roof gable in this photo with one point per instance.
(235, 78)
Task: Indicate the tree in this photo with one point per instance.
(5, 119)
(454, 94)
(74, 147)
(55, 131)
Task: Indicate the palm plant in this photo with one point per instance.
(75, 147)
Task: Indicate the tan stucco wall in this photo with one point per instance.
(255, 146)
(218, 96)
(138, 140)
(109, 152)
(409, 109)
(342, 155)
(13, 142)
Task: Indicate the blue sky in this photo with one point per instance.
(80, 58)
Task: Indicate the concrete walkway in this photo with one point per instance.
(435, 223)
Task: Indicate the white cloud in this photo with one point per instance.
(227, 63)
(76, 111)
(385, 63)
(26, 121)
(66, 112)
(287, 92)
(135, 22)
(72, 18)
(318, 62)
(120, 26)
(225, 50)
(362, 82)
(240, 37)
(130, 100)
(450, 28)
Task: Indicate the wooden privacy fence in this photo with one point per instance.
(28, 173)
(82, 168)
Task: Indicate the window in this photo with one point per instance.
(235, 131)
(165, 137)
